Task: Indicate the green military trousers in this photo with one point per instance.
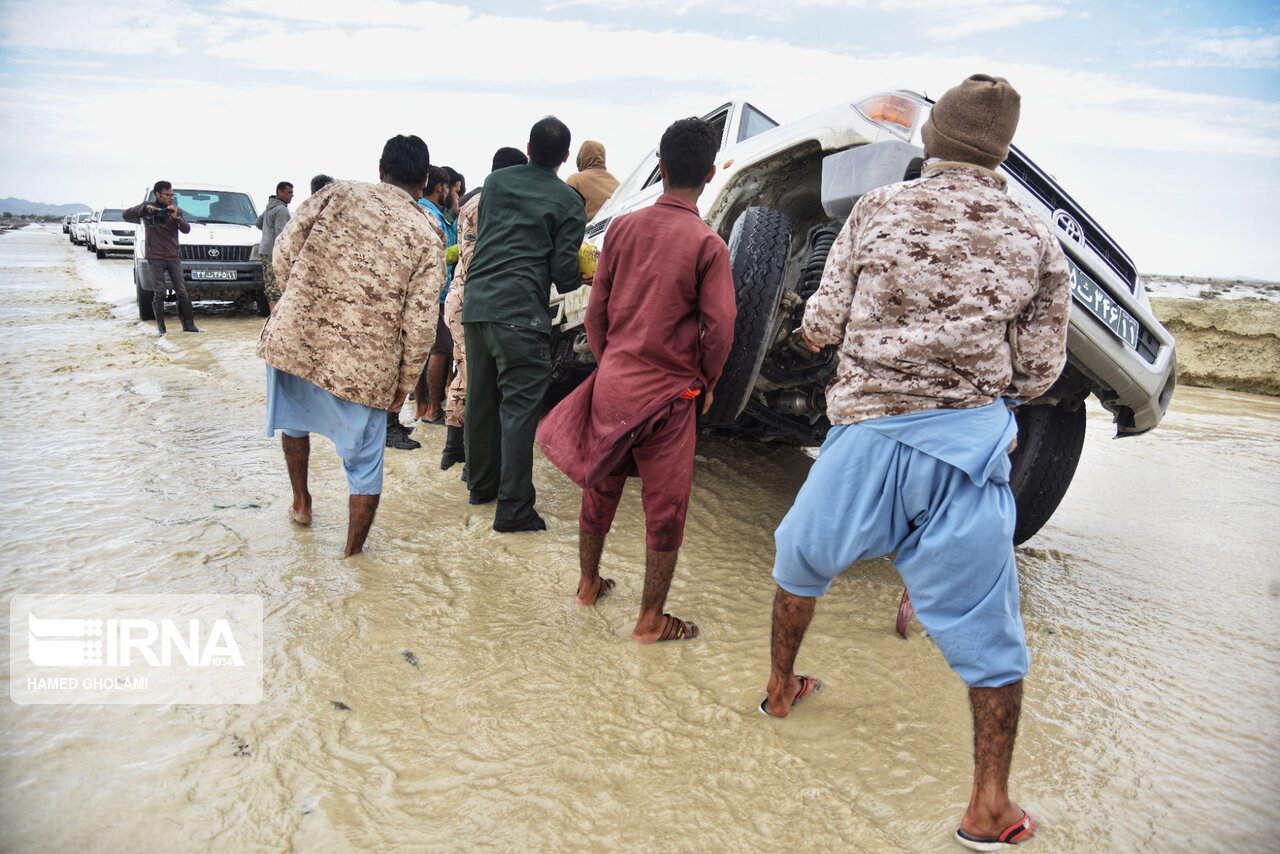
(508, 371)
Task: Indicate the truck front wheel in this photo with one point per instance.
(260, 301)
(758, 249)
(1050, 439)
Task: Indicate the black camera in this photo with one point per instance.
(155, 215)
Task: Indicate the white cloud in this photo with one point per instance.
(1238, 51)
(133, 29)
(961, 20)
(1236, 47)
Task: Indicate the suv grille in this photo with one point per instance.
(213, 253)
(1043, 188)
(119, 232)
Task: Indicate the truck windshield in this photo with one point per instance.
(214, 206)
(113, 215)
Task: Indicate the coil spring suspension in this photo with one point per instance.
(817, 246)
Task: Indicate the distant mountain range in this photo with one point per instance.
(20, 207)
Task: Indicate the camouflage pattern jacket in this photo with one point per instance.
(361, 267)
(941, 293)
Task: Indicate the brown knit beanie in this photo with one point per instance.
(973, 122)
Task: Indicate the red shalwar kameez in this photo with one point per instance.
(659, 321)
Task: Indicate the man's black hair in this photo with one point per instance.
(508, 156)
(456, 177)
(283, 185)
(688, 148)
(549, 142)
(319, 182)
(161, 185)
(436, 175)
(406, 159)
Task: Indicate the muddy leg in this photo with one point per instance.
(791, 617)
(659, 567)
(361, 509)
(590, 584)
(420, 395)
(297, 455)
(995, 727)
(437, 368)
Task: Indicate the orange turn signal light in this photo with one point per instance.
(890, 109)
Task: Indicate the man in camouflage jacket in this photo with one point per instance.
(948, 302)
(361, 267)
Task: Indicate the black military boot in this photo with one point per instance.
(187, 314)
(397, 436)
(454, 449)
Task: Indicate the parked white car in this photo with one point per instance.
(779, 197)
(219, 256)
(108, 232)
(79, 228)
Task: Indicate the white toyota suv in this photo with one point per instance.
(779, 198)
(219, 256)
(108, 232)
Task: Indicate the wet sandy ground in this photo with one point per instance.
(443, 691)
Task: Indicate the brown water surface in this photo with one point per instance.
(485, 709)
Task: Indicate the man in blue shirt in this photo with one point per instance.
(439, 200)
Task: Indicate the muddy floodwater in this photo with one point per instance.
(443, 691)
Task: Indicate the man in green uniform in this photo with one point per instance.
(531, 225)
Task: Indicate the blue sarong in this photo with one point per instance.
(297, 407)
(932, 487)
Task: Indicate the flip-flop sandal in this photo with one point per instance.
(808, 685)
(678, 629)
(1020, 831)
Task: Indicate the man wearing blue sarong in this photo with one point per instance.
(360, 268)
(948, 302)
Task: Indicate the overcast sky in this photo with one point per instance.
(1161, 118)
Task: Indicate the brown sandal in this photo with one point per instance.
(678, 629)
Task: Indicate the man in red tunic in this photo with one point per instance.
(660, 323)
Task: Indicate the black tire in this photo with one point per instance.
(145, 310)
(260, 301)
(758, 249)
(1050, 439)
(101, 253)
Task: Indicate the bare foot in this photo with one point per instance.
(590, 591)
(666, 628)
(300, 510)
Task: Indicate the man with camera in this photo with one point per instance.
(162, 220)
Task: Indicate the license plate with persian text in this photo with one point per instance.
(1100, 304)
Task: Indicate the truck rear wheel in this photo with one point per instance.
(145, 310)
(1050, 439)
(758, 247)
